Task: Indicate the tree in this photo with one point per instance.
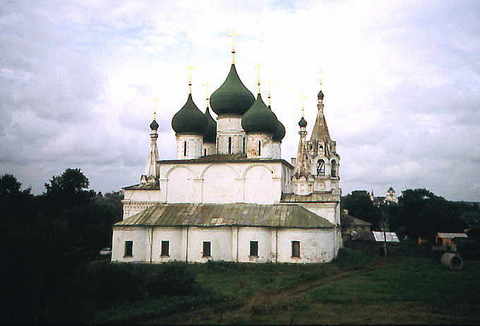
(360, 205)
(423, 213)
(69, 189)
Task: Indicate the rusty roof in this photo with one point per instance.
(238, 214)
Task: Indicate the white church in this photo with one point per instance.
(229, 195)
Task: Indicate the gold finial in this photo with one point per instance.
(232, 35)
(269, 98)
(258, 78)
(156, 100)
(303, 98)
(190, 68)
(205, 90)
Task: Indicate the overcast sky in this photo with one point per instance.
(401, 79)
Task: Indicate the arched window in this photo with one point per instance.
(185, 148)
(334, 169)
(243, 146)
(259, 148)
(205, 152)
(229, 145)
(320, 167)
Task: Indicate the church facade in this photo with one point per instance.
(229, 195)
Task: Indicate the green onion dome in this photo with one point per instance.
(232, 97)
(189, 119)
(259, 118)
(154, 125)
(280, 131)
(211, 134)
(302, 123)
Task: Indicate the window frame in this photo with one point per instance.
(295, 249)
(165, 248)
(253, 249)
(128, 249)
(207, 246)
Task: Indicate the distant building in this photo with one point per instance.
(389, 198)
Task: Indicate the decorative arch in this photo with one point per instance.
(178, 167)
(179, 185)
(254, 165)
(259, 184)
(219, 184)
(227, 165)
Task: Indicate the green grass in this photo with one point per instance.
(355, 289)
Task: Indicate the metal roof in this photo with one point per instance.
(348, 220)
(226, 158)
(317, 196)
(451, 235)
(238, 214)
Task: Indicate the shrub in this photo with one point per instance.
(352, 259)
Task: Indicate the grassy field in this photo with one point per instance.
(355, 289)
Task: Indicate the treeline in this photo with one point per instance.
(47, 239)
(419, 213)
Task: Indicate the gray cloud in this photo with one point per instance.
(412, 122)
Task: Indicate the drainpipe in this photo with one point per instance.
(151, 243)
(276, 245)
(186, 248)
(238, 228)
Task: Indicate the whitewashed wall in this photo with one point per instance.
(136, 201)
(264, 238)
(265, 147)
(276, 149)
(316, 245)
(194, 146)
(174, 235)
(209, 149)
(258, 182)
(230, 126)
(329, 211)
(141, 244)
(227, 244)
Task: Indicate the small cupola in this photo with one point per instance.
(154, 125)
(189, 119)
(302, 123)
(232, 97)
(259, 118)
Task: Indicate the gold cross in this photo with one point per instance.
(190, 69)
(258, 77)
(232, 35)
(205, 89)
(156, 100)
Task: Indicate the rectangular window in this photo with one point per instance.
(243, 146)
(128, 249)
(254, 248)
(165, 249)
(184, 148)
(206, 249)
(295, 248)
(229, 145)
